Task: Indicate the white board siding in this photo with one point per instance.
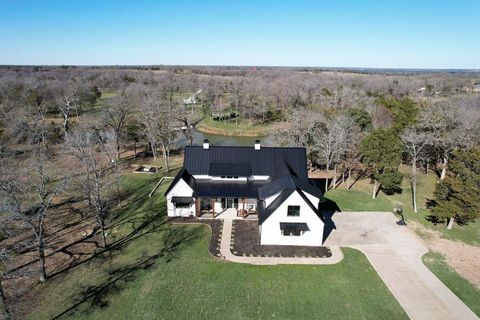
(181, 189)
(271, 233)
(314, 200)
(270, 199)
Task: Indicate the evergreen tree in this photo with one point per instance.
(456, 197)
(404, 111)
(381, 151)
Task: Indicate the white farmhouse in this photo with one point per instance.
(266, 184)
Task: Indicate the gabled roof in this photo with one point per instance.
(264, 213)
(182, 174)
(262, 162)
(285, 178)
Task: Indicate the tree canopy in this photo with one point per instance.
(457, 195)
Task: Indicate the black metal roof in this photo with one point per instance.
(230, 169)
(262, 162)
(299, 226)
(207, 188)
(186, 200)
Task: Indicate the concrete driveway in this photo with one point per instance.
(396, 253)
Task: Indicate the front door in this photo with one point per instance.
(229, 203)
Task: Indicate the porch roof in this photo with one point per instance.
(296, 226)
(227, 189)
(183, 200)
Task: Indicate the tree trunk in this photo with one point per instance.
(89, 187)
(450, 223)
(326, 179)
(117, 182)
(335, 177)
(41, 255)
(104, 237)
(375, 189)
(414, 186)
(134, 150)
(348, 179)
(444, 169)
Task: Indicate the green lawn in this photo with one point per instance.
(229, 127)
(360, 199)
(159, 271)
(467, 292)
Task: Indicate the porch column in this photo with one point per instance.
(197, 207)
(213, 207)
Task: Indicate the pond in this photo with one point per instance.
(219, 140)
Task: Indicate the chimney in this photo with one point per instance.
(206, 144)
(257, 144)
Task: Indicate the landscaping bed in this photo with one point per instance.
(216, 226)
(246, 242)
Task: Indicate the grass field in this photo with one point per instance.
(359, 198)
(467, 292)
(229, 128)
(159, 271)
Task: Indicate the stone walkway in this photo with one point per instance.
(395, 252)
(336, 257)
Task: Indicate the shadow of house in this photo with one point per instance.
(329, 208)
(320, 183)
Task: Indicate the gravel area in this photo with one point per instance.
(246, 242)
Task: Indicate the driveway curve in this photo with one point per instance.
(395, 252)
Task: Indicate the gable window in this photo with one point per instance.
(293, 211)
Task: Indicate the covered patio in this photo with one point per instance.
(235, 208)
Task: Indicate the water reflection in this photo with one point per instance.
(217, 140)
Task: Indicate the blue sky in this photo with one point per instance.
(395, 34)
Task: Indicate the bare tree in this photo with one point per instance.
(446, 124)
(331, 139)
(67, 106)
(83, 144)
(110, 149)
(148, 116)
(116, 115)
(415, 143)
(29, 197)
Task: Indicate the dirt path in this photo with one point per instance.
(463, 258)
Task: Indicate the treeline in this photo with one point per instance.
(375, 141)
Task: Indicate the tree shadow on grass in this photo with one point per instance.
(118, 278)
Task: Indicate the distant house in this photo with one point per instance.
(266, 184)
(192, 99)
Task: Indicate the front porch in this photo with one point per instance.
(221, 208)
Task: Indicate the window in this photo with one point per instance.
(292, 232)
(293, 211)
(183, 205)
